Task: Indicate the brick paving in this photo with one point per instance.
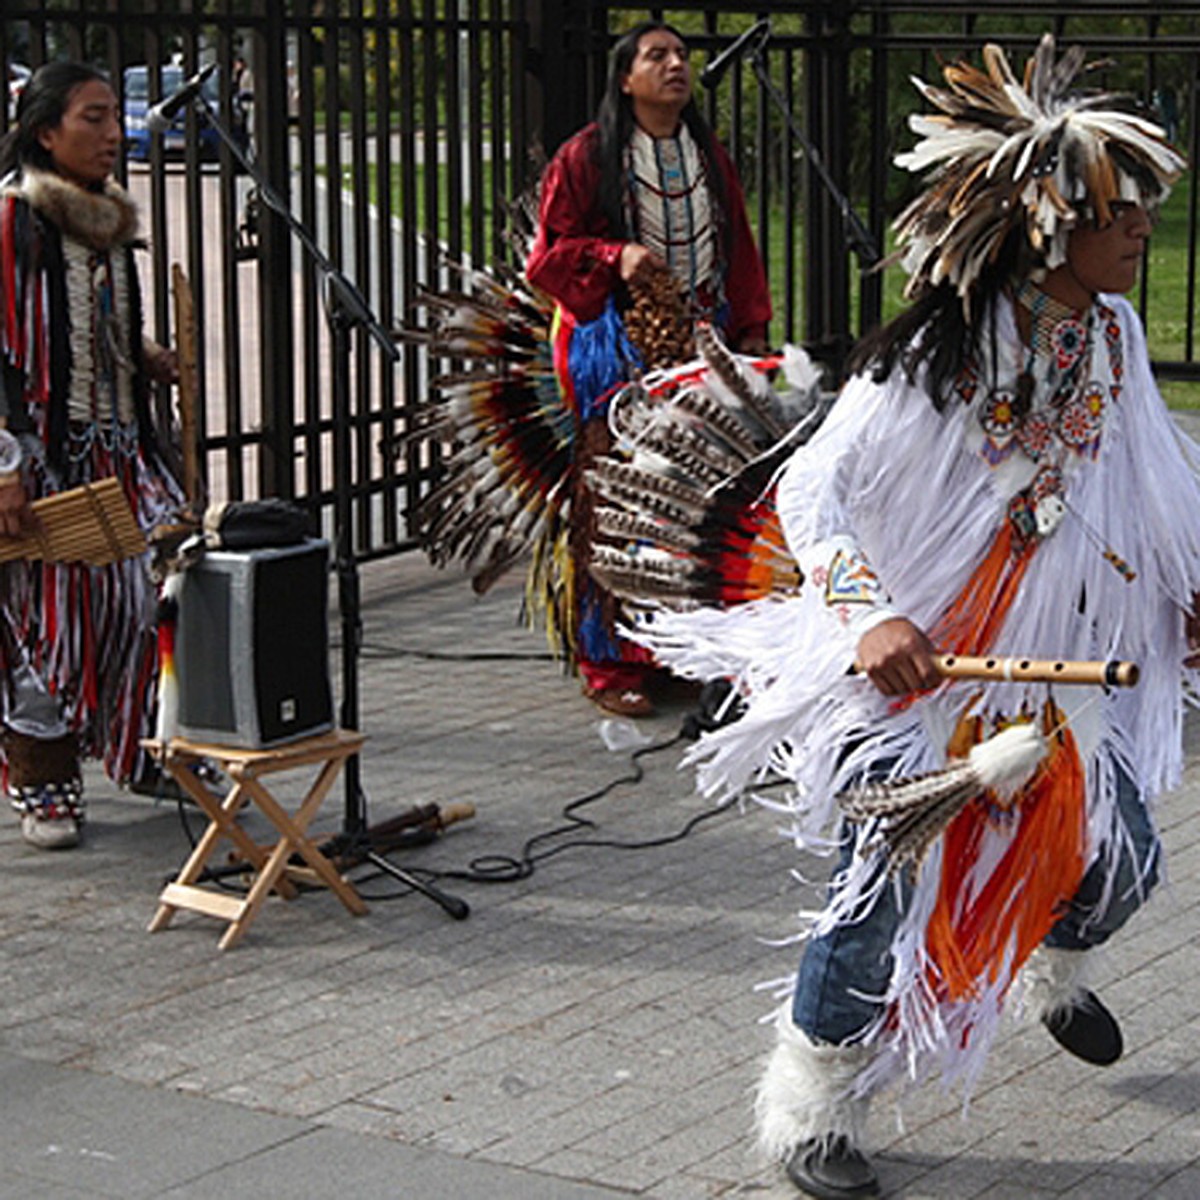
(595, 1023)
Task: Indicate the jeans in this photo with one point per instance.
(844, 974)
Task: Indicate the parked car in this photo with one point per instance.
(18, 77)
(174, 140)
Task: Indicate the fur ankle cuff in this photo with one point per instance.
(807, 1091)
(1051, 980)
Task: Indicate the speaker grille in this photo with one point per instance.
(253, 646)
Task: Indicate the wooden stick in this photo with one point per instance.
(1033, 670)
(185, 343)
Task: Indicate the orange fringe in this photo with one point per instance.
(970, 624)
(969, 936)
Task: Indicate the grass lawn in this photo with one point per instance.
(1167, 267)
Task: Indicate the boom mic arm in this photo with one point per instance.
(161, 117)
(715, 71)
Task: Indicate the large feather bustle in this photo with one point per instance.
(508, 433)
(688, 517)
(1031, 154)
(910, 814)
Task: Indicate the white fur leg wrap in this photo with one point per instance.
(808, 1091)
(1051, 979)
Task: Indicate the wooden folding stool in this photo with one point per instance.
(270, 864)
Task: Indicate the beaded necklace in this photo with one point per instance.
(1054, 404)
(1053, 410)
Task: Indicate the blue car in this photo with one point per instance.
(137, 101)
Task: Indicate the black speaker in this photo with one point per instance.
(252, 646)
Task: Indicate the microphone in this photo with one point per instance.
(715, 71)
(162, 116)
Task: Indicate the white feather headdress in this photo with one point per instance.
(1029, 154)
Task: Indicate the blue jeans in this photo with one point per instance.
(844, 974)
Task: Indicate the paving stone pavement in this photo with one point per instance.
(593, 1029)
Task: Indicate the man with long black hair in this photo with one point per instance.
(77, 642)
(643, 194)
(999, 478)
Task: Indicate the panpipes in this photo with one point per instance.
(91, 524)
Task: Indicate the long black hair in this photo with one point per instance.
(44, 101)
(941, 333)
(614, 121)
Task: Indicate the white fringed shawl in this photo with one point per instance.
(910, 487)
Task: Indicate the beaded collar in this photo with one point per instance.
(1054, 402)
(1049, 403)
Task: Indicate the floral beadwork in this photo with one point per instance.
(1072, 412)
(1035, 435)
(1068, 341)
(999, 420)
(1082, 421)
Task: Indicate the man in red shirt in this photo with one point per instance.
(645, 188)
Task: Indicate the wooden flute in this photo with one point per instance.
(1033, 670)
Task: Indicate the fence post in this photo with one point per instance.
(276, 290)
(827, 109)
(567, 49)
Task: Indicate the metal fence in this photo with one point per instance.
(397, 130)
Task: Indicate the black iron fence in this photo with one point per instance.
(397, 129)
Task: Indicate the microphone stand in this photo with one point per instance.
(858, 236)
(346, 310)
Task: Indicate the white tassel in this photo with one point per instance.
(1006, 762)
(912, 812)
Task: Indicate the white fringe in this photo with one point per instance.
(1050, 982)
(924, 507)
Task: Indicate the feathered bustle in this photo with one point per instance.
(685, 513)
(697, 489)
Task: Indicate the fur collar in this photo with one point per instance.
(101, 220)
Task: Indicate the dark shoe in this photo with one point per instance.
(832, 1169)
(1088, 1030)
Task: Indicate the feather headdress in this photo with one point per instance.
(1030, 155)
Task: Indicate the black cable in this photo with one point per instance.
(502, 868)
(715, 709)
(377, 650)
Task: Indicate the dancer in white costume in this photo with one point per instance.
(1000, 477)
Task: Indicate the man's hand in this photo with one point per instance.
(898, 658)
(16, 517)
(1191, 629)
(161, 362)
(638, 261)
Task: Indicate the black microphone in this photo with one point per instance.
(715, 71)
(162, 116)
